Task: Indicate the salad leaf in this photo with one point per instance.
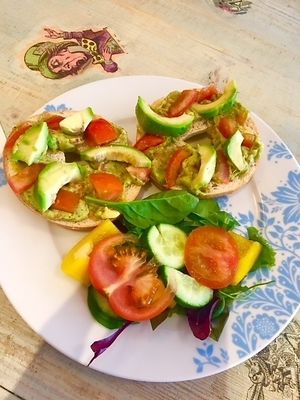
(226, 297)
(267, 254)
(231, 293)
(177, 309)
(200, 319)
(100, 346)
(163, 207)
(218, 324)
(208, 212)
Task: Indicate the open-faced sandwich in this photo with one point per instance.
(53, 161)
(222, 155)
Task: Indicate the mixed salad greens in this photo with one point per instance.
(170, 253)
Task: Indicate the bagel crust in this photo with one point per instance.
(130, 192)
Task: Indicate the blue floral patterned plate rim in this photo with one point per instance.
(55, 306)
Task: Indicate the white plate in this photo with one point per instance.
(55, 306)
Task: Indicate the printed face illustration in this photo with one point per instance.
(65, 61)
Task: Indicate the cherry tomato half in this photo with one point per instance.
(211, 256)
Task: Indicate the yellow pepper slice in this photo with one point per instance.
(249, 250)
(75, 262)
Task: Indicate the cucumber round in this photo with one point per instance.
(101, 310)
(188, 292)
(167, 243)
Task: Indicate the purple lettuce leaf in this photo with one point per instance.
(200, 319)
(100, 346)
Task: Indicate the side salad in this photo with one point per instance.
(170, 253)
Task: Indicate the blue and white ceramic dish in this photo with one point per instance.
(55, 306)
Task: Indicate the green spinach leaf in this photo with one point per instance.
(163, 207)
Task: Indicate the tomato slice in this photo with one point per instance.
(66, 201)
(53, 122)
(211, 256)
(24, 179)
(206, 93)
(17, 132)
(184, 101)
(148, 141)
(174, 166)
(120, 270)
(107, 186)
(222, 173)
(249, 140)
(101, 271)
(227, 126)
(100, 131)
(141, 300)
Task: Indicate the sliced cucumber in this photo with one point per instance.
(101, 310)
(188, 292)
(167, 243)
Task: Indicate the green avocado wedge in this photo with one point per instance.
(52, 178)
(117, 153)
(223, 104)
(151, 122)
(32, 145)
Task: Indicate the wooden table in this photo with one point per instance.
(183, 39)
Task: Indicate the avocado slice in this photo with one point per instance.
(208, 157)
(76, 123)
(32, 145)
(117, 153)
(52, 178)
(219, 106)
(234, 151)
(151, 122)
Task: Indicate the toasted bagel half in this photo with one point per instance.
(231, 165)
(65, 149)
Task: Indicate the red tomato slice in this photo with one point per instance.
(101, 270)
(184, 101)
(222, 173)
(174, 166)
(53, 122)
(129, 300)
(249, 140)
(66, 201)
(17, 132)
(148, 141)
(107, 186)
(211, 256)
(120, 270)
(24, 179)
(227, 126)
(141, 173)
(100, 131)
(206, 93)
